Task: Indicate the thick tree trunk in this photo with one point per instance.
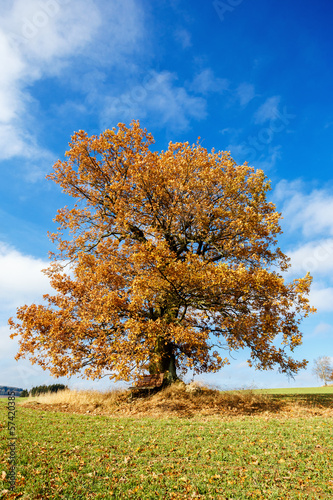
(166, 363)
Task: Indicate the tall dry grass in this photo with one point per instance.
(79, 398)
(177, 399)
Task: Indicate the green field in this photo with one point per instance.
(262, 456)
(299, 390)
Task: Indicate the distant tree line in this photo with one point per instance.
(42, 389)
(4, 390)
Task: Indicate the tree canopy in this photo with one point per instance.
(171, 258)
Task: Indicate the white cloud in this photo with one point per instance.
(244, 364)
(266, 161)
(39, 39)
(308, 224)
(46, 31)
(286, 189)
(322, 328)
(261, 149)
(20, 373)
(260, 160)
(158, 99)
(8, 345)
(245, 92)
(35, 37)
(183, 37)
(312, 213)
(205, 82)
(314, 256)
(21, 280)
(269, 110)
(226, 130)
(321, 298)
(11, 141)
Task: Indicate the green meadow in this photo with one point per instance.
(276, 454)
(300, 390)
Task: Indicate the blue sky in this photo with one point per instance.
(251, 77)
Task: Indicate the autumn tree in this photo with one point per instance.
(171, 257)
(323, 368)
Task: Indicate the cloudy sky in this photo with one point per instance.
(251, 77)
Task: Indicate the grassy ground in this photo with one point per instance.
(171, 446)
(307, 396)
(300, 390)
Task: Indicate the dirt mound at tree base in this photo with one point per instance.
(176, 401)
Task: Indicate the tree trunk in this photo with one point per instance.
(166, 363)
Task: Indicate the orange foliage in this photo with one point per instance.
(173, 256)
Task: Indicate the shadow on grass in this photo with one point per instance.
(309, 400)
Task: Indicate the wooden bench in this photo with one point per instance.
(148, 383)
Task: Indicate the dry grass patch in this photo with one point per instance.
(79, 400)
(200, 400)
(180, 400)
(175, 400)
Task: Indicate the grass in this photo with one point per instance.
(173, 445)
(300, 390)
(315, 397)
